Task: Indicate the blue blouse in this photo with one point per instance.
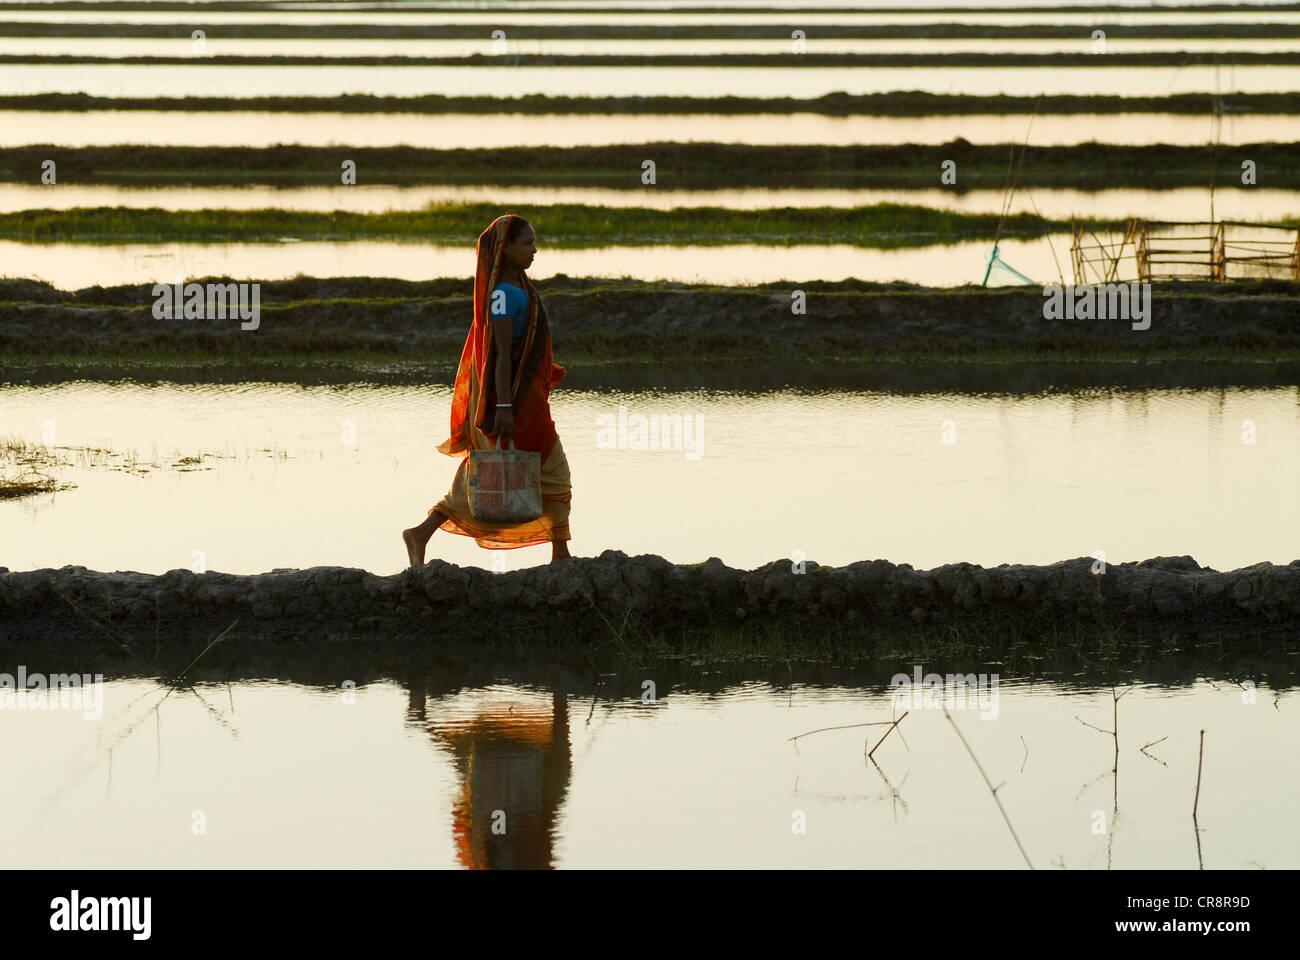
(516, 307)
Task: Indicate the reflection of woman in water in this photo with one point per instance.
(513, 763)
(503, 386)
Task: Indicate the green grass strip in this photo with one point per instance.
(884, 225)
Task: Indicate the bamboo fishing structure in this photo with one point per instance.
(1217, 251)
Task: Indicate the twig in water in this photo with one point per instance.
(180, 676)
(893, 791)
(1108, 733)
(1199, 756)
(903, 738)
(989, 783)
(1099, 777)
(1196, 828)
(847, 726)
(1115, 699)
(1152, 755)
(888, 732)
(1026, 757)
(1115, 722)
(212, 711)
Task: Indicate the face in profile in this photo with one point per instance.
(520, 252)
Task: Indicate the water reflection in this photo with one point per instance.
(211, 80)
(438, 747)
(449, 131)
(1252, 204)
(513, 764)
(495, 18)
(1029, 479)
(73, 266)
(1022, 378)
(182, 46)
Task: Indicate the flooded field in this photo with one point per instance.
(258, 476)
(157, 447)
(602, 15)
(137, 80)
(450, 131)
(696, 779)
(71, 266)
(217, 46)
(1256, 204)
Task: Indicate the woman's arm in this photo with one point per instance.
(503, 335)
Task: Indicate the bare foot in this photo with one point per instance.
(414, 547)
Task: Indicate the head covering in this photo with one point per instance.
(474, 398)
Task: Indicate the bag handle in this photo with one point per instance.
(501, 446)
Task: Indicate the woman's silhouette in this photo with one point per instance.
(513, 765)
(503, 387)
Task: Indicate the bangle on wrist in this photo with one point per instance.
(505, 404)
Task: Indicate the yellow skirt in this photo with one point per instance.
(553, 524)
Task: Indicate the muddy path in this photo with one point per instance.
(350, 319)
(1162, 605)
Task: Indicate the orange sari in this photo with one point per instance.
(474, 406)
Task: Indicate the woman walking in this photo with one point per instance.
(503, 386)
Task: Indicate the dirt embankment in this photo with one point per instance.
(686, 165)
(591, 319)
(894, 103)
(1170, 600)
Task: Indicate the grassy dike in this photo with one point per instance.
(1093, 165)
(884, 225)
(367, 325)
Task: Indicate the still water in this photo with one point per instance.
(1254, 204)
(210, 80)
(500, 17)
(411, 773)
(259, 475)
(183, 46)
(71, 266)
(448, 131)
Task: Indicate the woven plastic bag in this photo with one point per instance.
(505, 485)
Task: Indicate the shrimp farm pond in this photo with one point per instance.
(930, 398)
